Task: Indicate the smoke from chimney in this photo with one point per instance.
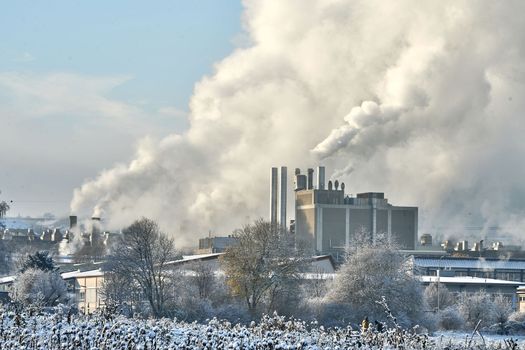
(400, 99)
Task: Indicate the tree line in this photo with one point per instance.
(266, 272)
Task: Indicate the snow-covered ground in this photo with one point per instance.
(444, 338)
(96, 332)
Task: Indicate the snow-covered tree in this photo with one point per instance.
(502, 309)
(376, 269)
(39, 288)
(477, 307)
(450, 319)
(435, 291)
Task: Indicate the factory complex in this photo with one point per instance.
(326, 219)
(329, 220)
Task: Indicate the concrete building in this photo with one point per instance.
(86, 287)
(329, 219)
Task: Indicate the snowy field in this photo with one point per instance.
(55, 332)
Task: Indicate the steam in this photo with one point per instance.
(421, 100)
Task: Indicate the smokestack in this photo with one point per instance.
(72, 221)
(320, 178)
(310, 179)
(300, 180)
(284, 189)
(273, 196)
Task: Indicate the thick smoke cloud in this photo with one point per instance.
(421, 100)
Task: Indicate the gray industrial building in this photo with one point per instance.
(329, 219)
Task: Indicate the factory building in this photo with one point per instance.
(329, 219)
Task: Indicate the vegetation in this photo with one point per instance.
(38, 283)
(40, 260)
(264, 274)
(142, 255)
(37, 288)
(373, 271)
(63, 331)
(263, 267)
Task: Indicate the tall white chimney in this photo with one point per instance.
(273, 196)
(320, 178)
(284, 189)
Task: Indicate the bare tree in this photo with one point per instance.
(204, 278)
(142, 254)
(119, 292)
(264, 262)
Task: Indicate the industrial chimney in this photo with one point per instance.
(310, 179)
(284, 189)
(320, 177)
(273, 196)
(72, 222)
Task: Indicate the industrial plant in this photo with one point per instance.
(330, 220)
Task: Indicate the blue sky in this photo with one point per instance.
(164, 45)
(69, 70)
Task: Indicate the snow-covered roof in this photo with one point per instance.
(7, 279)
(465, 263)
(188, 258)
(468, 280)
(317, 276)
(80, 274)
(64, 275)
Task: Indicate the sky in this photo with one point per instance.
(82, 82)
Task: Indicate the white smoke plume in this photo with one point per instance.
(423, 100)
